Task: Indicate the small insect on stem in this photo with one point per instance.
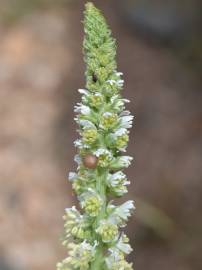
(90, 161)
(94, 76)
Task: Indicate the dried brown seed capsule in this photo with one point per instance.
(90, 161)
(94, 78)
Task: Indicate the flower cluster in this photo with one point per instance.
(93, 235)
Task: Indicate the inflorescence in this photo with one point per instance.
(94, 237)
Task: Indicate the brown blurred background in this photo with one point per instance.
(41, 68)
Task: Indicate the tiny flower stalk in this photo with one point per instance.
(94, 235)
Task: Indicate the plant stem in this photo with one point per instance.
(101, 189)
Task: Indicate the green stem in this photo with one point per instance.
(97, 264)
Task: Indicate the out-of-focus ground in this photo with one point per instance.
(41, 69)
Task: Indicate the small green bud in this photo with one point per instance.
(102, 74)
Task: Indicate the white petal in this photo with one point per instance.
(86, 124)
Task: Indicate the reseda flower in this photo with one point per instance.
(121, 141)
(83, 109)
(126, 121)
(123, 244)
(120, 265)
(117, 104)
(117, 183)
(121, 162)
(120, 138)
(85, 123)
(75, 225)
(89, 135)
(91, 203)
(104, 157)
(116, 261)
(80, 256)
(96, 100)
(92, 206)
(108, 231)
(108, 120)
(97, 240)
(120, 214)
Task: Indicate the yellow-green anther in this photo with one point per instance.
(108, 120)
(89, 136)
(92, 206)
(121, 141)
(96, 100)
(104, 157)
(123, 265)
(107, 231)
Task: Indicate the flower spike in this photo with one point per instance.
(93, 235)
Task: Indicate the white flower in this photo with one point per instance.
(124, 210)
(116, 261)
(80, 255)
(73, 213)
(108, 120)
(126, 100)
(125, 160)
(86, 124)
(72, 176)
(120, 214)
(112, 82)
(78, 143)
(77, 159)
(117, 183)
(91, 202)
(119, 83)
(120, 132)
(107, 114)
(102, 151)
(124, 113)
(104, 157)
(121, 162)
(83, 91)
(123, 246)
(83, 109)
(114, 257)
(108, 231)
(126, 121)
(117, 103)
(72, 219)
(116, 178)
